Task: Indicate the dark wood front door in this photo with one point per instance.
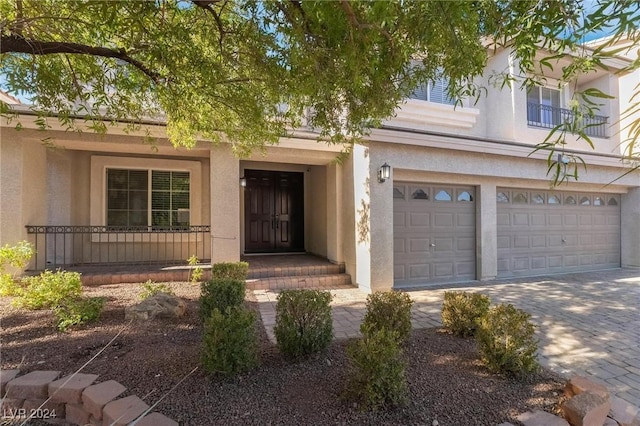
(273, 211)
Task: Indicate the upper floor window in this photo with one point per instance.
(155, 198)
(543, 107)
(435, 91)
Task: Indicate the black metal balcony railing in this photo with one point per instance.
(64, 246)
(548, 117)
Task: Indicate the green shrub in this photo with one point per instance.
(78, 311)
(506, 341)
(390, 310)
(220, 294)
(9, 286)
(461, 311)
(16, 256)
(151, 289)
(230, 343)
(303, 322)
(49, 289)
(377, 378)
(196, 272)
(230, 270)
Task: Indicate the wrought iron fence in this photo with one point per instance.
(548, 117)
(63, 246)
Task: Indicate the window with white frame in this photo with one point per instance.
(158, 193)
(544, 107)
(434, 91)
(156, 198)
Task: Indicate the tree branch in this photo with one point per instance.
(353, 20)
(17, 44)
(205, 4)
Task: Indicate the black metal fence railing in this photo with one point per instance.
(548, 117)
(64, 246)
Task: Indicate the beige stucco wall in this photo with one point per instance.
(317, 214)
(23, 185)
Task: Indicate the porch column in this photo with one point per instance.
(487, 232)
(335, 214)
(225, 204)
(381, 223)
(630, 228)
(361, 226)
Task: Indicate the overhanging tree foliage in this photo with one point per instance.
(249, 71)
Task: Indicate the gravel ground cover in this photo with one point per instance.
(446, 380)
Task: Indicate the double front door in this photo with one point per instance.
(274, 211)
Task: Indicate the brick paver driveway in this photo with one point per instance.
(588, 323)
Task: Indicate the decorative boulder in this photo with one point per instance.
(162, 305)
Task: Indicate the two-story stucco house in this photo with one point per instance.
(465, 198)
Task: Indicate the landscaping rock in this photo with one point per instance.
(8, 405)
(34, 385)
(586, 409)
(43, 409)
(156, 419)
(580, 384)
(95, 397)
(77, 415)
(5, 377)
(69, 389)
(624, 413)
(541, 418)
(123, 411)
(159, 305)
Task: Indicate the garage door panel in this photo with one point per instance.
(419, 220)
(520, 219)
(574, 237)
(438, 235)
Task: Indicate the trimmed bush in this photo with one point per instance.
(377, 379)
(49, 289)
(230, 270)
(230, 343)
(17, 257)
(506, 341)
(9, 286)
(303, 322)
(461, 311)
(151, 289)
(78, 311)
(390, 310)
(220, 294)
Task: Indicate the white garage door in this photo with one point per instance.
(433, 234)
(542, 232)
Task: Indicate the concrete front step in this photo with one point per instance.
(329, 281)
(295, 271)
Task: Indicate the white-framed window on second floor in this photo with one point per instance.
(543, 107)
(156, 198)
(434, 91)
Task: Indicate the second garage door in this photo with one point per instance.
(542, 232)
(433, 234)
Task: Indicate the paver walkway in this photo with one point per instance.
(588, 323)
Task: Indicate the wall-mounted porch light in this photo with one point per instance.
(384, 172)
(243, 181)
(563, 159)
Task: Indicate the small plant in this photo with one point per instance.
(196, 272)
(230, 343)
(149, 289)
(461, 311)
(377, 378)
(230, 270)
(506, 341)
(16, 256)
(220, 294)
(78, 311)
(390, 310)
(49, 289)
(303, 322)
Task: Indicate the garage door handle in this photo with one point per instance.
(432, 245)
(564, 240)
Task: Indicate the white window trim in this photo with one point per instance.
(98, 195)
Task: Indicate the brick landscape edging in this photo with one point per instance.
(74, 399)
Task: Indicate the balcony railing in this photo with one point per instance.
(65, 246)
(548, 117)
